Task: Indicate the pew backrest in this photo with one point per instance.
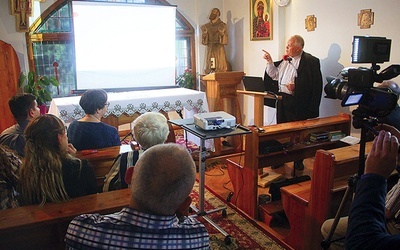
(44, 227)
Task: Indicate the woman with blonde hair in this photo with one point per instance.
(49, 172)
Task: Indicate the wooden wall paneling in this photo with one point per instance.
(9, 73)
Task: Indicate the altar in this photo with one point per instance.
(126, 104)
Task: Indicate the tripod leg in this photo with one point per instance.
(325, 244)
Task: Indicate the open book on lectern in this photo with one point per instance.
(256, 84)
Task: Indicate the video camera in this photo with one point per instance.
(355, 86)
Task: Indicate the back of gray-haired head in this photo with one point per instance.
(150, 129)
(163, 178)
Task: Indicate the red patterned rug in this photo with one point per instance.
(245, 234)
(180, 139)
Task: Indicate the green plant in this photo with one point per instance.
(186, 79)
(37, 86)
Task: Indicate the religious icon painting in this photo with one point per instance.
(260, 19)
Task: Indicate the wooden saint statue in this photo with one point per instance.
(215, 37)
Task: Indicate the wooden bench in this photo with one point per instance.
(128, 119)
(308, 204)
(35, 227)
(101, 160)
(244, 169)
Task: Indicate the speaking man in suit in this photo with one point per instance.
(298, 79)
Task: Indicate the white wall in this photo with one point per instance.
(331, 41)
(337, 23)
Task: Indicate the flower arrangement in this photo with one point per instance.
(186, 79)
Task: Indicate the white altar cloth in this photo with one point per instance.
(68, 109)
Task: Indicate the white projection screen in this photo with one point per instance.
(124, 46)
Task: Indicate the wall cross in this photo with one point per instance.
(22, 10)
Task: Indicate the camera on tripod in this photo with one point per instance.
(355, 86)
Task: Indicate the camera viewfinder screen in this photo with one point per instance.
(370, 49)
(352, 99)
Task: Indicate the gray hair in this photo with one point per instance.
(163, 178)
(150, 129)
(299, 40)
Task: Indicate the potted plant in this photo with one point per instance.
(37, 86)
(186, 79)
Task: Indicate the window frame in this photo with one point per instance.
(185, 33)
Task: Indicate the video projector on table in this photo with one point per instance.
(214, 120)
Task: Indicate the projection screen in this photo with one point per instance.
(124, 45)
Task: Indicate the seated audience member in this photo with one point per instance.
(24, 108)
(49, 173)
(394, 117)
(89, 132)
(163, 178)
(9, 166)
(366, 228)
(149, 129)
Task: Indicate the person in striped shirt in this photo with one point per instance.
(163, 178)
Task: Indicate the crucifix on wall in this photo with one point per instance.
(22, 9)
(365, 19)
(310, 23)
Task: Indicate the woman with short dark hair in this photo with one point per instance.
(89, 132)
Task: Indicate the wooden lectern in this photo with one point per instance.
(259, 104)
(221, 89)
(221, 96)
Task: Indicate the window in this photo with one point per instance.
(51, 39)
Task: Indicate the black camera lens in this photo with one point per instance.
(336, 88)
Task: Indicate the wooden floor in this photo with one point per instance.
(217, 179)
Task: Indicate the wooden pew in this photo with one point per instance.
(35, 227)
(307, 205)
(128, 119)
(244, 170)
(101, 160)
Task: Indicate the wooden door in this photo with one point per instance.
(9, 73)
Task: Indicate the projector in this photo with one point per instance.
(214, 120)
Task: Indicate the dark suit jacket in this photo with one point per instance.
(308, 87)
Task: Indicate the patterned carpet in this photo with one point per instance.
(245, 234)
(180, 139)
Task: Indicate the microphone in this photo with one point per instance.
(287, 58)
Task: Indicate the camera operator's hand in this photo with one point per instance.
(394, 131)
(388, 128)
(382, 158)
